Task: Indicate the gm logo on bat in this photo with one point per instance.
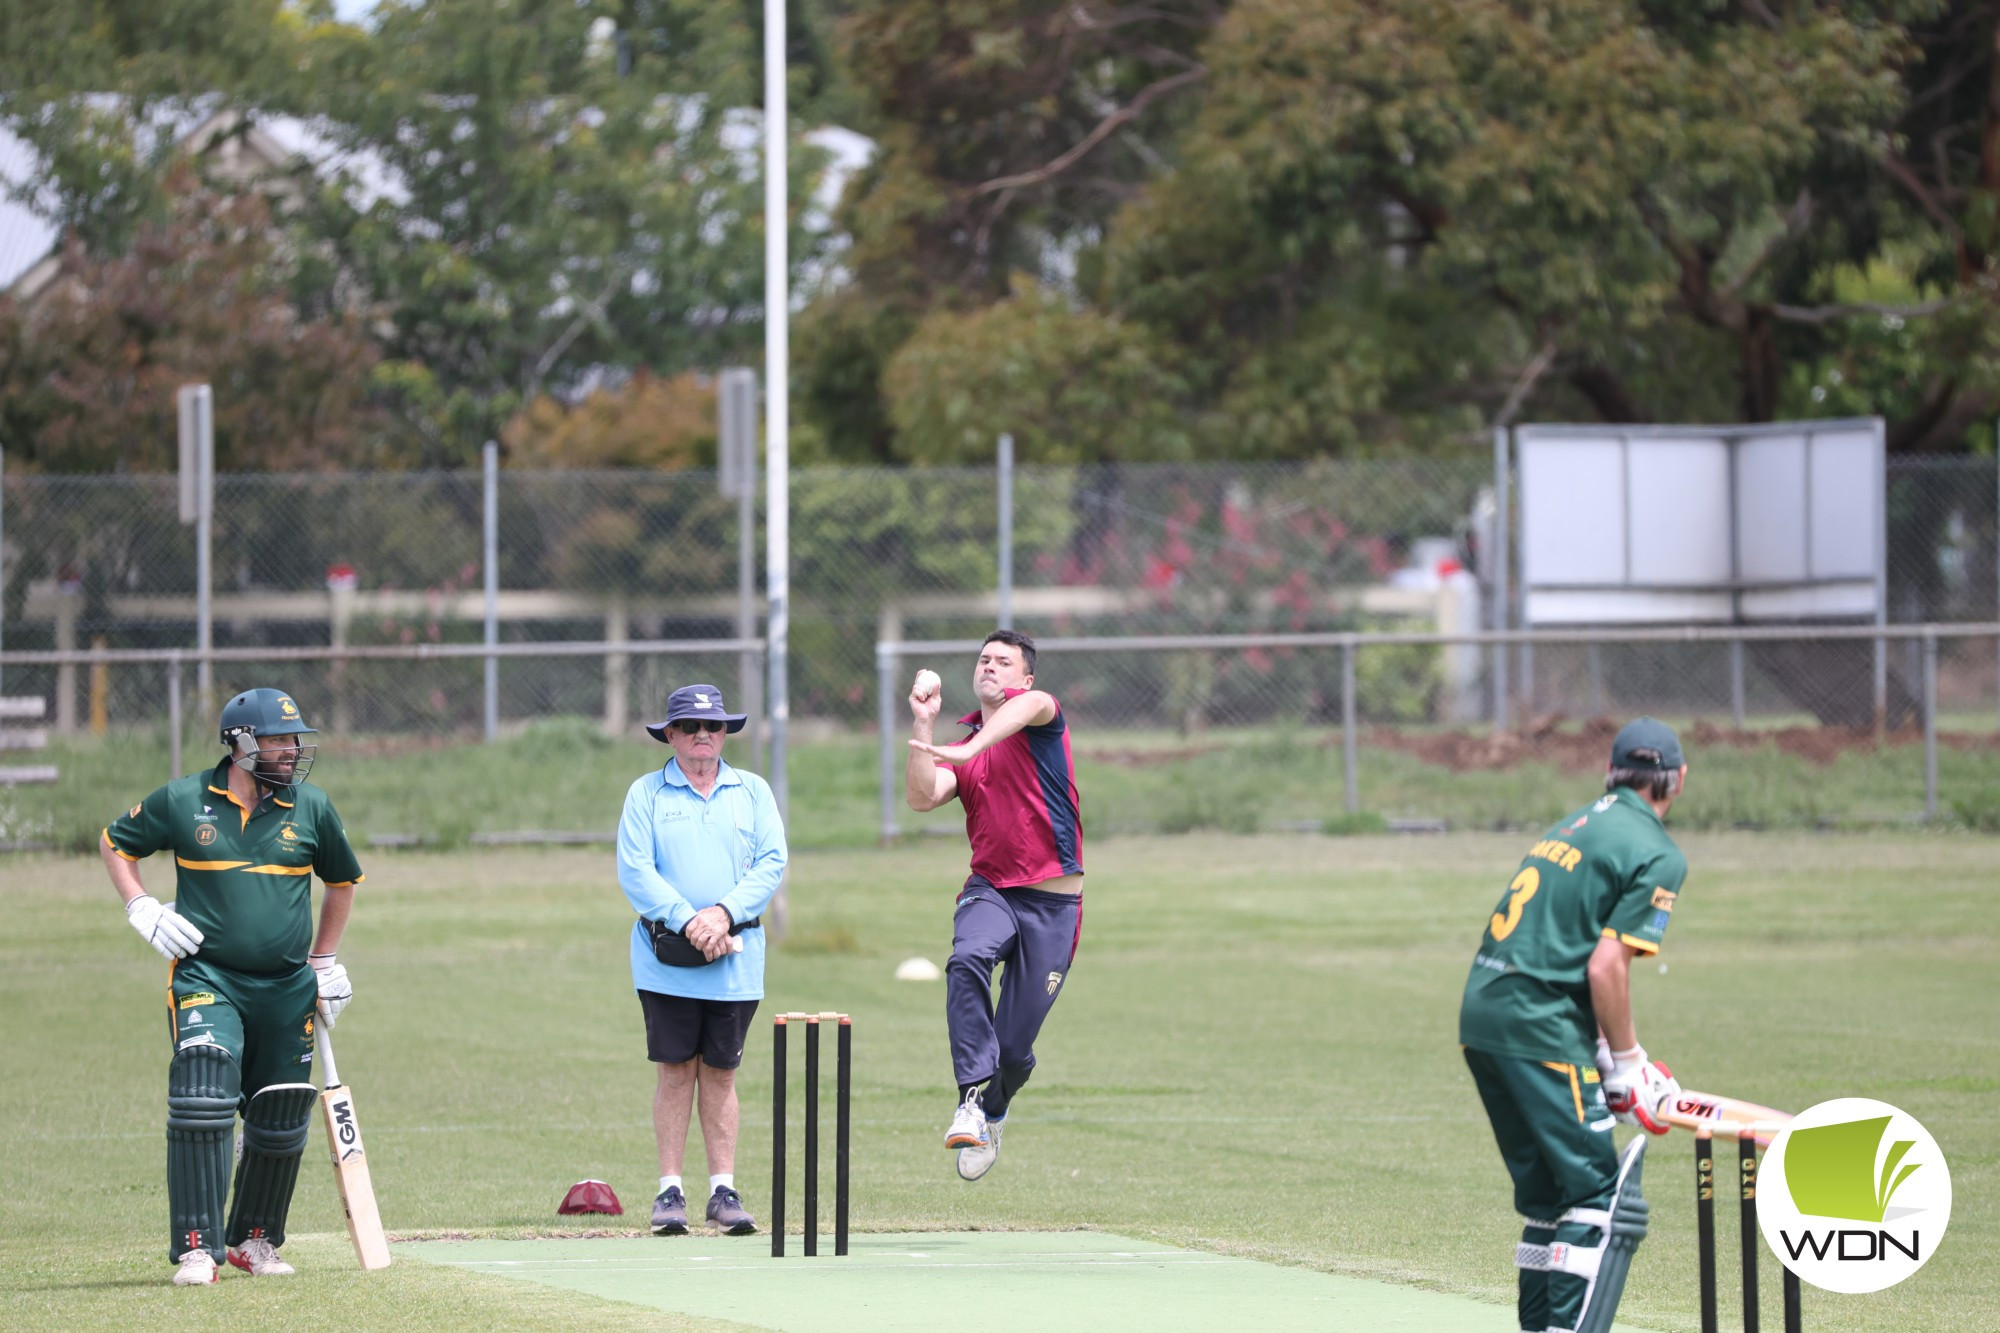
(343, 1115)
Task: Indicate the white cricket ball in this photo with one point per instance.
(927, 684)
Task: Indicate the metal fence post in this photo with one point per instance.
(1736, 705)
(173, 717)
(3, 553)
(1930, 727)
(885, 717)
(204, 560)
(490, 555)
(1006, 588)
(1502, 536)
(1347, 738)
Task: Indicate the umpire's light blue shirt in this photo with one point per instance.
(679, 852)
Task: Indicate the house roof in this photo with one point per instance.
(29, 240)
(26, 237)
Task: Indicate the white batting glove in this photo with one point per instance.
(1605, 1064)
(162, 927)
(334, 988)
(1638, 1087)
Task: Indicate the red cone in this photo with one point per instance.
(590, 1196)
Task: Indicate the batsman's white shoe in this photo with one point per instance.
(968, 1123)
(259, 1258)
(197, 1269)
(977, 1160)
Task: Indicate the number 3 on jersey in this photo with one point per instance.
(1518, 893)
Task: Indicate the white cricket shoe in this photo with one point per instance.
(968, 1123)
(197, 1269)
(977, 1160)
(259, 1258)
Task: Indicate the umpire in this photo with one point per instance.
(247, 838)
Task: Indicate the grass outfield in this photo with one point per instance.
(1255, 1057)
(1134, 782)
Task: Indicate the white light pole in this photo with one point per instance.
(777, 407)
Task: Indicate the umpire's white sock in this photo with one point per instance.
(669, 1183)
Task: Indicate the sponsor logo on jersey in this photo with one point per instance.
(287, 834)
(204, 817)
(205, 834)
(1660, 920)
(194, 998)
(1605, 802)
(195, 1020)
(1664, 899)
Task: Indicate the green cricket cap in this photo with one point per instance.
(1646, 733)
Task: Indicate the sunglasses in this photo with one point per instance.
(690, 727)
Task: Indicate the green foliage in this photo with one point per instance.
(88, 376)
(1072, 385)
(564, 207)
(101, 87)
(1372, 226)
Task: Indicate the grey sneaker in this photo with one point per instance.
(670, 1212)
(977, 1160)
(725, 1210)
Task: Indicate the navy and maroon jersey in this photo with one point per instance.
(1022, 814)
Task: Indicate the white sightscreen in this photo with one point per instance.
(1676, 524)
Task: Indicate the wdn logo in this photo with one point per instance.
(1855, 1196)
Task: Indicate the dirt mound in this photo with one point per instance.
(1586, 747)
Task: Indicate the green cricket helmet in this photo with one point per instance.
(267, 712)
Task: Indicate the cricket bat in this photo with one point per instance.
(1723, 1116)
(350, 1160)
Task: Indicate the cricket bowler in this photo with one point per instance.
(1022, 906)
(1547, 1029)
(247, 837)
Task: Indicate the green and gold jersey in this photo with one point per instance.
(1608, 870)
(243, 877)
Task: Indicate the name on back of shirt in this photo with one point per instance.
(1557, 851)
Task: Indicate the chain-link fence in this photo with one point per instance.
(608, 562)
(1262, 731)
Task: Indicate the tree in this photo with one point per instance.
(100, 88)
(647, 422)
(88, 372)
(1009, 132)
(1071, 385)
(562, 203)
(1386, 224)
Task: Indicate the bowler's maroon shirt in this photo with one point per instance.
(1022, 812)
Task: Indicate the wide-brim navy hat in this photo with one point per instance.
(698, 702)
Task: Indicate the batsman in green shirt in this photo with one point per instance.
(1547, 1028)
(247, 974)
